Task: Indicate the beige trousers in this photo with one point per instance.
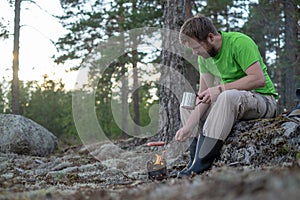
(231, 106)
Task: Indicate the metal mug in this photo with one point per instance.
(188, 100)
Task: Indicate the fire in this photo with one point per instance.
(160, 159)
(157, 170)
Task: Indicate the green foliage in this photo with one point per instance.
(93, 25)
(99, 20)
(146, 101)
(227, 15)
(265, 25)
(104, 97)
(103, 104)
(4, 33)
(277, 38)
(49, 105)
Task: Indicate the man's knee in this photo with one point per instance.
(230, 96)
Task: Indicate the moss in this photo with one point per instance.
(284, 150)
(72, 177)
(59, 176)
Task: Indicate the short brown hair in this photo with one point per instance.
(196, 27)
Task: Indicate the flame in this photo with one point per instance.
(160, 159)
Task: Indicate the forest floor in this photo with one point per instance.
(266, 166)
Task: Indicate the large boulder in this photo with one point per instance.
(263, 142)
(23, 136)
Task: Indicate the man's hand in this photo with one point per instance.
(209, 95)
(182, 134)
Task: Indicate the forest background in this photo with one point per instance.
(273, 24)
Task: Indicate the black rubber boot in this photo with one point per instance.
(206, 151)
(192, 148)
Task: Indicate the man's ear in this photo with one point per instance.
(210, 37)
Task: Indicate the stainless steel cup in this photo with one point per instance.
(188, 100)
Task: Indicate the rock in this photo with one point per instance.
(290, 128)
(107, 151)
(260, 142)
(259, 161)
(23, 136)
(8, 175)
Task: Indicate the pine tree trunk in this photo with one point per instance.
(15, 104)
(172, 82)
(124, 81)
(135, 96)
(135, 93)
(288, 97)
(191, 67)
(124, 93)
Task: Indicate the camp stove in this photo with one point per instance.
(157, 170)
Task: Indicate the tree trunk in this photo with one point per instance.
(124, 77)
(124, 93)
(191, 68)
(172, 82)
(135, 93)
(288, 97)
(188, 8)
(15, 104)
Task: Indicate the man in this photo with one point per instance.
(234, 85)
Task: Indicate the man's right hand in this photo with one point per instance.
(182, 134)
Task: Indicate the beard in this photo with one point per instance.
(212, 51)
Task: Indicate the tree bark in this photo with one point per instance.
(124, 94)
(15, 104)
(172, 82)
(288, 97)
(135, 93)
(124, 78)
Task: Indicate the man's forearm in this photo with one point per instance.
(245, 83)
(195, 116)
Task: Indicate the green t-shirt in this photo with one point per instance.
(237, 53)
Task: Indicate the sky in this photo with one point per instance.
(37, 30)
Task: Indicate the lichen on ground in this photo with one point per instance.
(260, 160)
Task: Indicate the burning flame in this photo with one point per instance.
(160, 159)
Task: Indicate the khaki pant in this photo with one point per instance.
(231, 106)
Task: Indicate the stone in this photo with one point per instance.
(258, 162)
(266, 142)
(21, 135)
(290, 128)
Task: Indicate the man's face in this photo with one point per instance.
(204, 49)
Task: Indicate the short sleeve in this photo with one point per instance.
(246, 52)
